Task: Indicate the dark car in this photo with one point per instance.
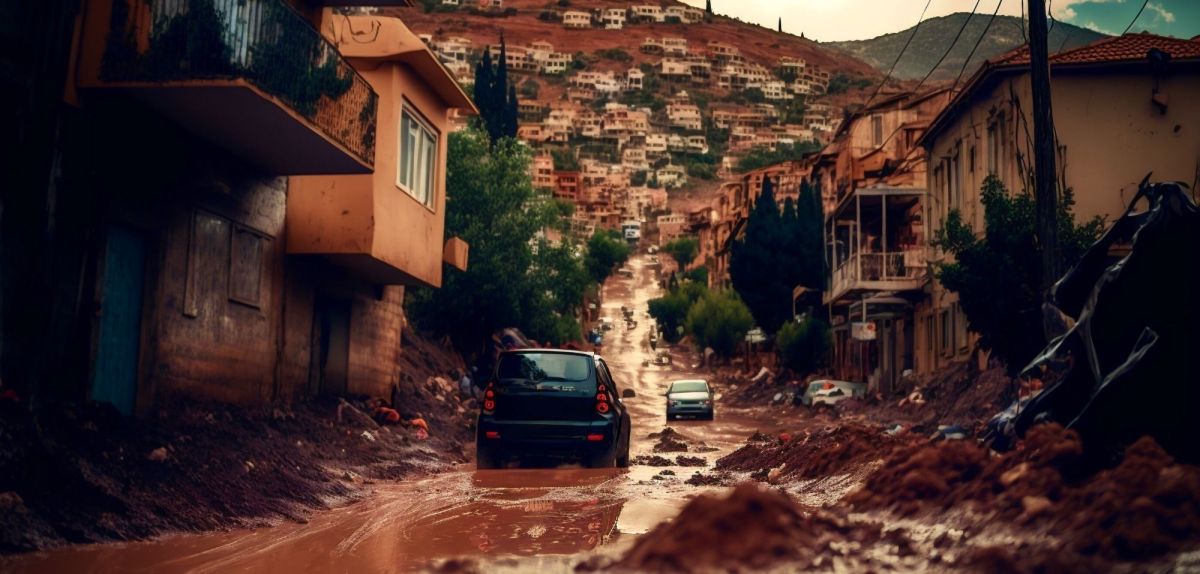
(550, 403)
(690, 398)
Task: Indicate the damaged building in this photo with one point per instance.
(236, 222)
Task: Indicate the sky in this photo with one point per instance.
(832, 20)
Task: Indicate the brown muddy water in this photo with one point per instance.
(542, 520)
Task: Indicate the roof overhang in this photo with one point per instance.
(387, 39)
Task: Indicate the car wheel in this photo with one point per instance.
(670, 417)
(709, 416)
(485, 459)
(607, 460)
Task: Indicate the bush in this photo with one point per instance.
(699, 275)
(998, 277)
(682, 250)
(804, 346)
(719, 320)
(671, 310)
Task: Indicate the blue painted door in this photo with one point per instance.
(116, 369)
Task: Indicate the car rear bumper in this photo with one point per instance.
(556, 439)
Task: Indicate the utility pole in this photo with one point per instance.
(1045, 188)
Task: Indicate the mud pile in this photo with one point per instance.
(958, 394)
(669, 440)
(750, 529)
(1143, 507)
(819, 452)
(83, 473)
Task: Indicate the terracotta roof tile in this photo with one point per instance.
(1130, 47)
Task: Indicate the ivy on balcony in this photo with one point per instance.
(265, 42)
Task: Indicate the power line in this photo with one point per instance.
(976, 46)
(887, 76)
(949, 48)
(1136, 16)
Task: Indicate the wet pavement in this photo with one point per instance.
(542, 520)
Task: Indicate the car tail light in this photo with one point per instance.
(494, 435)
(595, 437)
(489, 400)
(602, 406)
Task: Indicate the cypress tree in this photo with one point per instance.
(754, 263)
(510, 113)
(483, 91)
(780, 23)
(708, 7)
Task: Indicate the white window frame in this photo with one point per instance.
(431, 155)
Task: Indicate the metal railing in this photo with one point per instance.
(893, 266)
(264, 42)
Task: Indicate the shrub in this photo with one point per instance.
(804, 346)
(719, 320)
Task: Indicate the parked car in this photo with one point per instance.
(555, 404)
(829, 392)
(692, 397)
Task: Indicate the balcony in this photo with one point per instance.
(252, 76)
(876, 242)
(895, 271)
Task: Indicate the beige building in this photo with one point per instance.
(1121, 110)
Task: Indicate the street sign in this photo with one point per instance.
(862, 330)
(755, 335)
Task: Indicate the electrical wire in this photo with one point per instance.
(948, 48)
(888, 76)
(1135, 17)
(976, 46)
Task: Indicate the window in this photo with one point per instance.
(418, 157)
(246, 266)
(226, 261)
(877, 130)
(960, 328)
(946, 331)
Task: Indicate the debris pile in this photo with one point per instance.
(750, 529)
(669, 440)
(825, 451)
(1145, 506)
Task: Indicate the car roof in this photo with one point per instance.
(557, 351)
(690, 381)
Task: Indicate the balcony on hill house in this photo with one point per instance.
(252, 76)
(875, 240)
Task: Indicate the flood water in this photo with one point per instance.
(518, 519)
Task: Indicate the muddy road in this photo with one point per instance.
(519, 519)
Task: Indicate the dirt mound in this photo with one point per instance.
(690, 461)
(652, 460)
(829, 450)
(1143, 507)
(87, 474)
(750, 529)
(956, 394)
(669, 440)
(714, 479)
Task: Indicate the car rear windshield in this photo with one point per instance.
(689, 387)
(546, 371)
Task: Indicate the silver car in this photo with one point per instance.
(691, 397)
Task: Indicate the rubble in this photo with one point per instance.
(750, 529)
(822, 452)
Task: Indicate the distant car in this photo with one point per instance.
(830, 392)
(690, 398)
(555, 404)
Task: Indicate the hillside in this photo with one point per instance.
(935, 34)
(756, 43)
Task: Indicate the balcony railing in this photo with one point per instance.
(894, 270)
(265, 43)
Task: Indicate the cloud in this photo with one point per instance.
(1163, 13)
(1062, 9)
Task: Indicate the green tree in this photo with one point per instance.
(564, 160)
(671, 310)
(495, 98)
(606, 250)
(804, 346)
(998, 276)
(756, 268)
(495, 208)
(683, 250)
(719, 320)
